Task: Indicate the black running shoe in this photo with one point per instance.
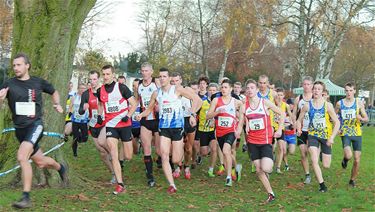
(22, 203)
(151, 182)
(323, 189)
(352, 183)
(344, 163)
(199, 160)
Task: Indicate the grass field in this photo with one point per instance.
(201, 193)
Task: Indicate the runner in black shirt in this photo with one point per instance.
(24, 94)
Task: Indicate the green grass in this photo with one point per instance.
(90, 189)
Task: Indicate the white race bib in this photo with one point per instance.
(348, 114)
(112, 107)
(256, 124)
(225, 121)
(94, 118)
(25, 108)
(319, 122)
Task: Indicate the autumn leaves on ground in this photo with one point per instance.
(90, 189)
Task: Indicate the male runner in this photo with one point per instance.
(90, 102)
(189, 131)
(24, 94)
(149, 124)
(260, 133)
(118, 105)
(299, 102)
(171, 122)
(351, 112)
(320, 131)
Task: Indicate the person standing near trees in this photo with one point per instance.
(24, 94)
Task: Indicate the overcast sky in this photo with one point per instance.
(118, 31)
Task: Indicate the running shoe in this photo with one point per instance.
(278, 171)
(238, 172)
(270, 198)
(211, 173)
(176, 174)
(221, 170)
(171, 190)
(344, 163)
(228, 182)
(22, 203)
(187, 174)
(151, 182)
(323, 189)
(199, 160)
(307, 179)
(119, 189)
(286, 168)
(352, 183)
(233, 174)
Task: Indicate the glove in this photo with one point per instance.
(70, 114)
(99, 120)
(125, 118)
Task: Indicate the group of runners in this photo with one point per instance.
(185, 124)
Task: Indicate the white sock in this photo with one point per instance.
(211, 169)
(174, 186)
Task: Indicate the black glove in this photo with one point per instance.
(99, 120)
(125, 118)
(70, 114)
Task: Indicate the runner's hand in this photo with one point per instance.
(330, 141)
(138, 117)
(125, 118)
(58, 108)
(192, 121)
(3, 93)
(278, 133)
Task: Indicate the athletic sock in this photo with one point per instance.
(148, 163)
(211, 169)
(229, 177)
(346, 160)
(238, 166)
(272, 193)
(121, 184)
(26, 195)
(174, 186)
(61, 170)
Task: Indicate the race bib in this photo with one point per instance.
(256, 124)
(94, 118)
(225, 121)
(319, 122)
(113, 107)
(25, 108)
(348, 114)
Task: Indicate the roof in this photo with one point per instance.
(333, 89)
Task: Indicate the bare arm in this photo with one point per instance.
(295, 110)
(240, 118)
(150, 107)
(3, 95)
(290, 114)
(336, 122)
(211, 113)
(56, 102)
(300, 119)
(362, 116)
(133, 106)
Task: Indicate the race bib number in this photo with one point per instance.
(94, 118)
(167, 109)
(256, 124)
(146, 101)
(348, 114)
(225, 121)
(113, 107)
(319, 122)
(25, 108)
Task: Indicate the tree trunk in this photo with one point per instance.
(224, 64)
(48, 32)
